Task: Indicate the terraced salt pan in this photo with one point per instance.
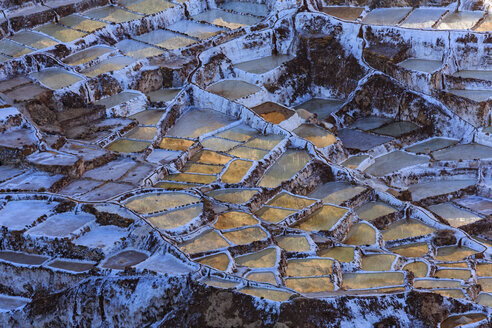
(453, 253)
(111, 14)
(154, 202)
(373, 210)
(310, 285)
(318, 136)
(61, 225)
(176, 218)
(166, 263)
(431, 145)
(323, 219)
(475, 95)
(386, 16)
(202, 168)
(353, 162)
(486, 25)
(225, 19)
(108, 65)
(336, 192)
(286, 200)
(148, 117)
(206, 241)
(455, 216)
(460, 320)
(421, 65)
(377, 262)
(463, 152)
(372, 280)
(163, 95)
(411, 250)
(360, 234)
(13, 49)
(219, 144)
(266, 142)
(478, 204)
(393, 162)
(246, 235)
(233, 195)
(16, 215)
(424, 190)
(248, 153)
(124, 259)
(345, 13)
(218, 261)
(146, 7)
(462, 20)
(355, 139)
(475, 74)
(340, 253)
(321, 107)
(257, 9)
(406, 229)
(60, 32)
(263, 65)
(263, 259)
(165, 39)
(210, 157)
(268, 293)
(195, 29)
(86, 55)
(236, 171)
(234, 219)
(462, 274)
(142, 133)
(294, 243)
(56, 78)
(137, 49)
(418, 268)
(485, 299)
(286, 166)
(22, 258)
(70, 265)
(233, 89)
(274, 215)
(79, 22)
(423, 17)
(309, 267)
(369, 122)
(239, 133)
(102, 237)
(397, 129)
(198, 122)
(128, 146)
(4, 58)
(33, 39)
(267, 276)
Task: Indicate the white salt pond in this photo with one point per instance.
(423, 17)
(421, 65)
(263, 65)
(56, 78)
(386, 16)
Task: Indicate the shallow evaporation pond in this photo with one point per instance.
(418, 268)
(147, 7)
(22, 258)
(373, 210)
(128, 146)
(265, 142)
(411, 250)
(369, 122)
(234, 219)
(154, 202)
(273, 214)
(165, 39)
(485, 299)
(339, 253)
(397, 129)
(273, 112)
(421, 65)
(475, 74)
(207, 241)
(248, 153)
(221, 18)
(477, 204)
(263, 65)
(336, 192)
(394, 161)
(79, 22)
(142, 133)
(236, 171)
(353, 162)
(148, 117)
(431, 145)
(293, 243)
(18, 214)
(266, 276)
(318, 136)
(377, 262)
(218, 261)
(271, 294)
(177, 144)
(486, 284)
(137, 49)
(424, 189)
(308, 267)
(455, 216)
(286, 166)
(436, 283)
(117, 99)
(406, 229)
(462, 319)
(461, 20)
(233, 195)
(484, 269)
(462, 274)
(219, 144)
(74, 266)
(360, 140)
(108, 65)
(61, 225)
(322, 219)
(372, 280)
(33, 39)
(463, 152)
(475, 95)
(60, 32)
(198, 122)
(210, 157)
(14, 49)
(176, 218)
(257, 9)
(240, 133)
(111, 14)
(163, 95)
(423, 17)
(321, 107)
(56, 78)
(345, 13)
(124, 259)
(220, 283)
(361, 234)
(263, 259)
(192, 178)
(309, 285)
(286, 200)
(453, 253)
(452, 293)
(195, 29)
(386, 16)
(233, 89)
(246, 235)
